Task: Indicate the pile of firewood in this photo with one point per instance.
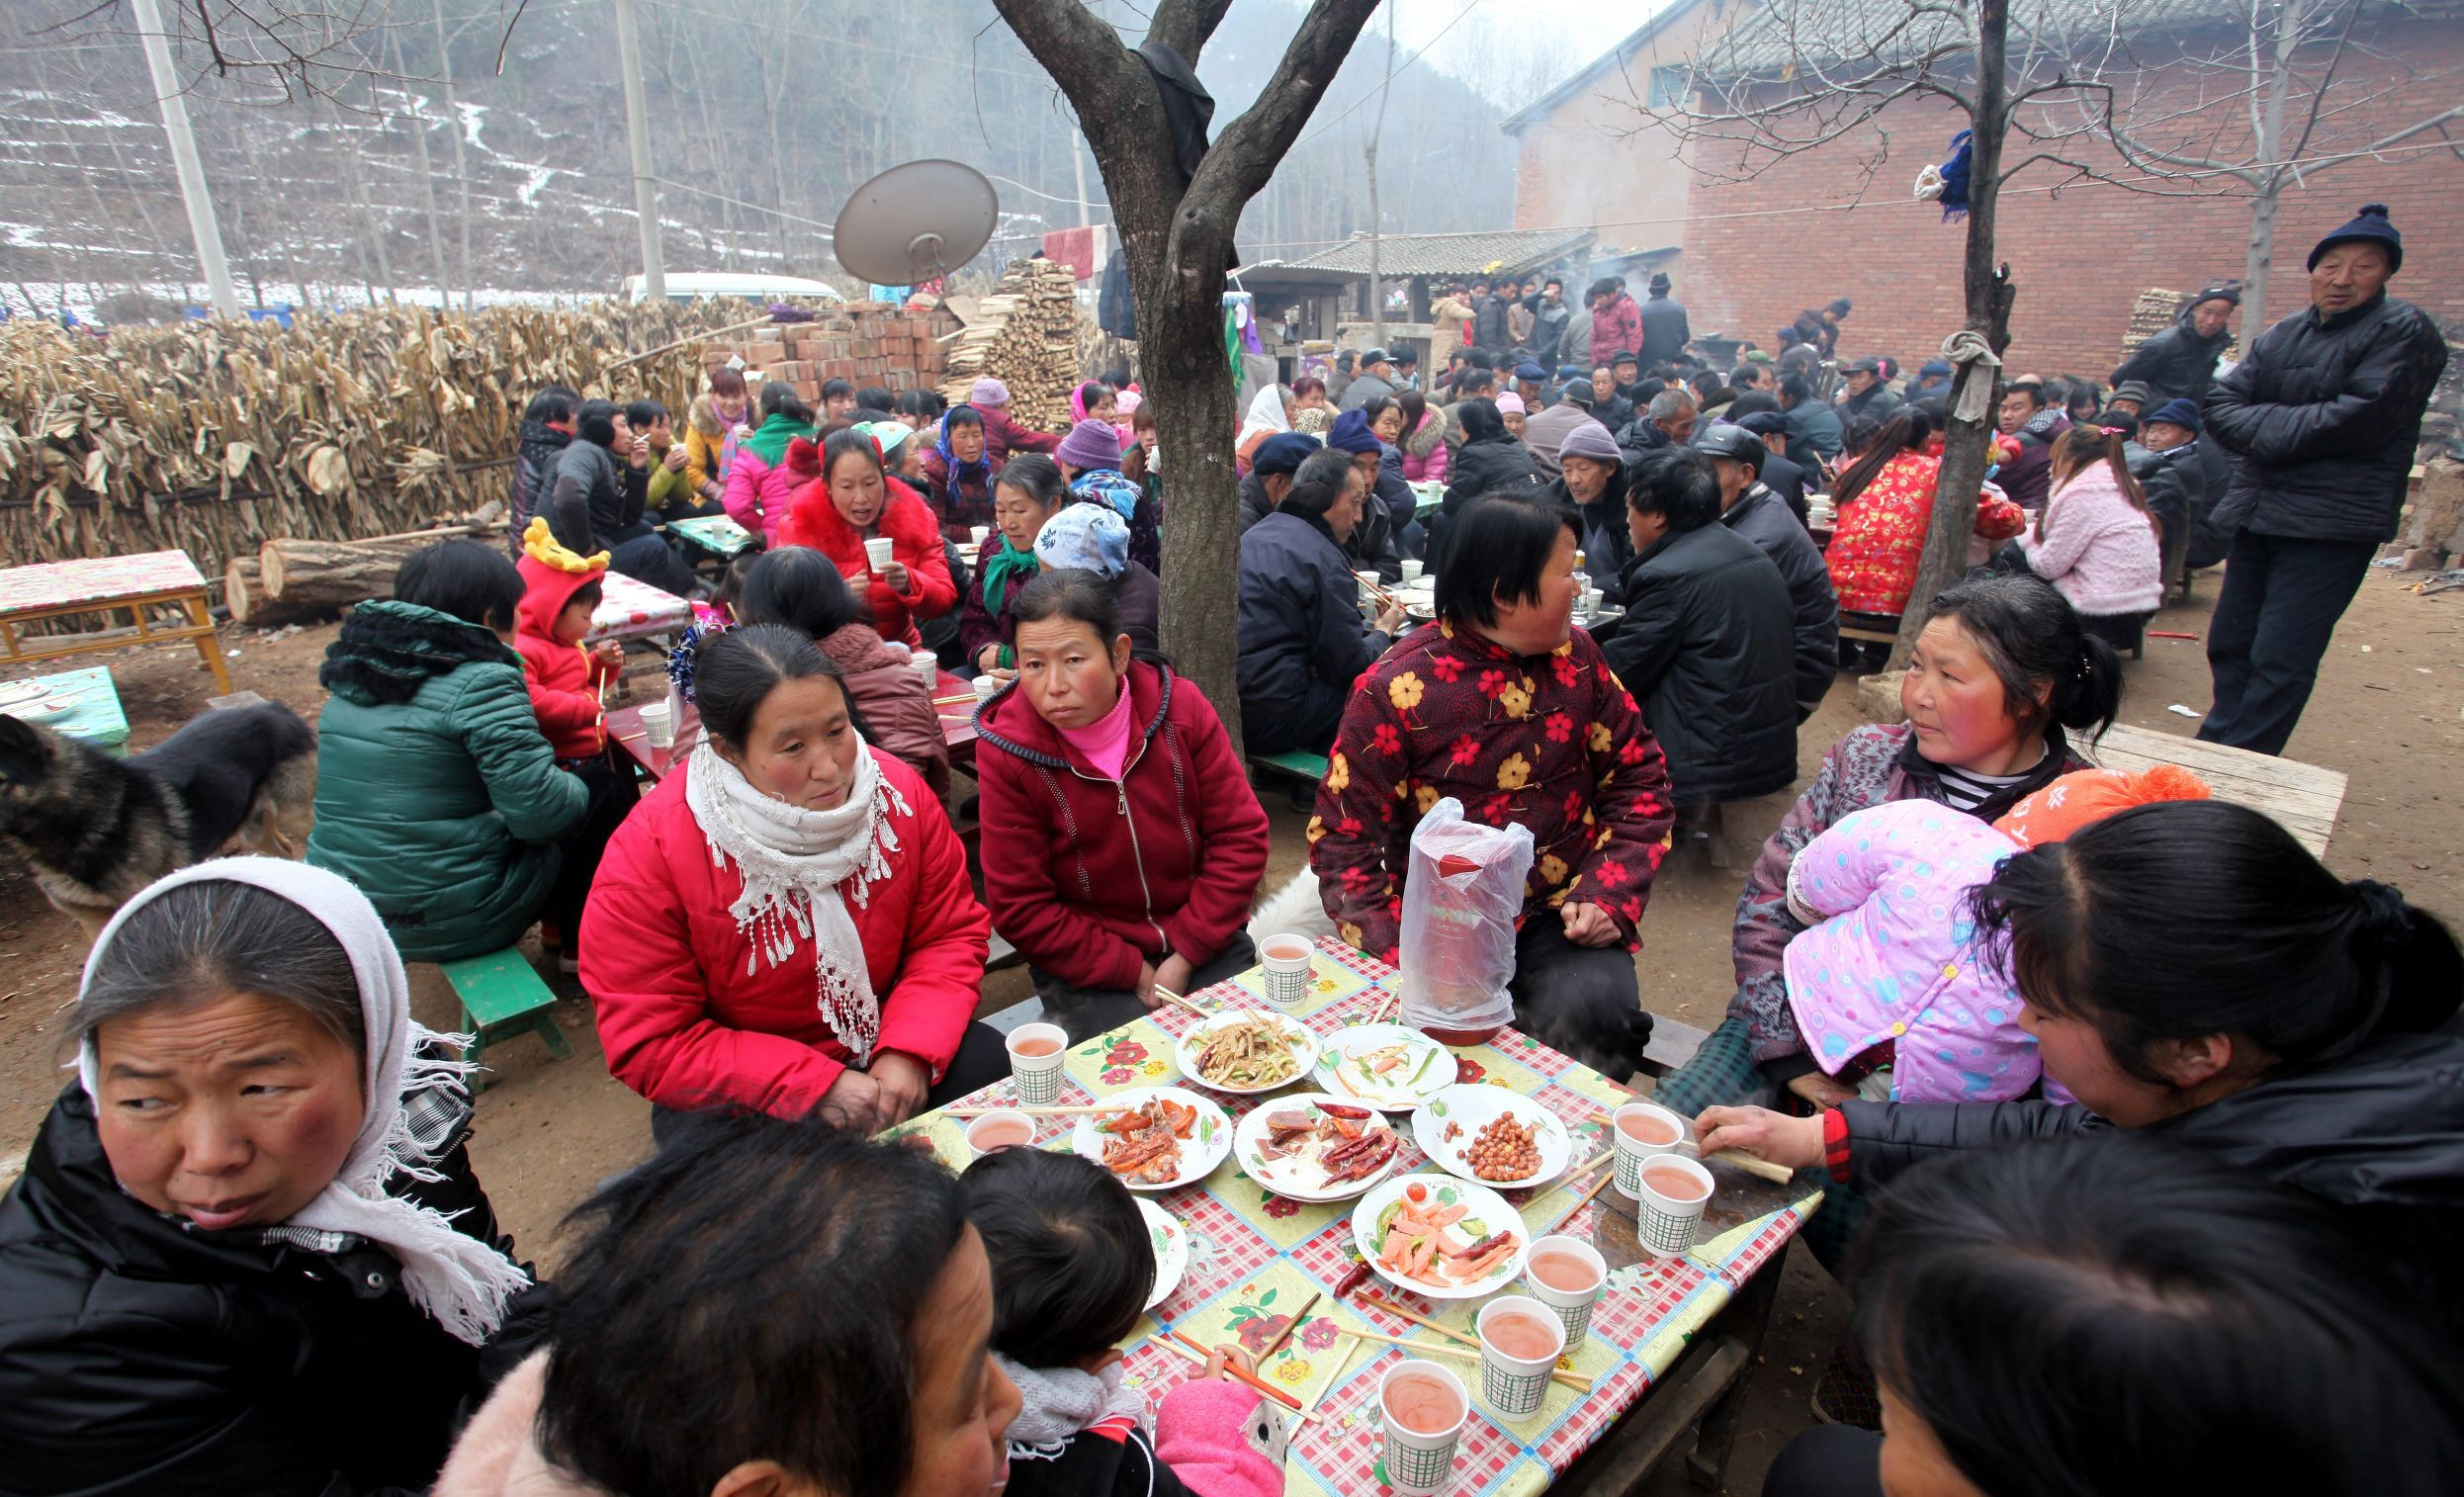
(2151, 313)
(1025, 334)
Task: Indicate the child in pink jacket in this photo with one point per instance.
(1890, 985)
(1072, 1269)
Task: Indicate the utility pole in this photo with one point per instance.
(638, 126)
(201, 224)
(1376, 292)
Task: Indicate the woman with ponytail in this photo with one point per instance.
(1886, 501)
(2094, 539)
(2189, 970)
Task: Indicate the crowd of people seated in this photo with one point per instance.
(2121, 1101)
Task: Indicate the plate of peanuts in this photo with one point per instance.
(1491, 1135)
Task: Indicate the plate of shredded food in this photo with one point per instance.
(1245, 1052)
(1310, 1146)
(1171, 1242)
(1447, 1239)
(1492, 1135)
(1386, 1066)
(1156, 1138)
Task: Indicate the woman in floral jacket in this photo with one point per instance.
(1505, 707)
(1886, 501)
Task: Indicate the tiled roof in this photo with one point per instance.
(1506, 252)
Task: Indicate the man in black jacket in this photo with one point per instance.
(2321, 420)
(1488, 320)
(2180, 361)
(1550, 318)
(2164, 458)
(1665, 331)
(1752, 510)
(1705, 644)
(596, 497)
(547, 429)
(1760, 414)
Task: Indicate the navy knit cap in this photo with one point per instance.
(2176, 411)
(1282, 451)
(1527, 370)
(2368, 225)
(1352, 433)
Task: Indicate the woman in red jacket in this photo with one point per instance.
(851, 498)
(1129, 844)
(788, 924)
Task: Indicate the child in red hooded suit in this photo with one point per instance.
(566, 681)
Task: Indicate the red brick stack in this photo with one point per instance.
(870, 344)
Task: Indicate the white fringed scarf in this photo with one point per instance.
(799, 869)
(461, 1282)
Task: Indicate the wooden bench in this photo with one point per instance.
(1873, 628)
(2303, 799)
(501, 996)
(1673, 1043)
(1310, 767)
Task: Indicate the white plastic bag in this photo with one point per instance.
(1462, 896)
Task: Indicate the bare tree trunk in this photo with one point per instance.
(427, 177)
(2269, 151)
(453, 113)
(1989, 290)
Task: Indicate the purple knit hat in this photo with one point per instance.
(1091, 444)
(988, 393)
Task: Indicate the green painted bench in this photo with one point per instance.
(1306, 766)
(502, 996)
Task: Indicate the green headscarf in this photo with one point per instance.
(1004, 568)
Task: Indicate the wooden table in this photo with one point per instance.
(94, 711)
(631, 608)
(712, 532)
(1254, 1255)
(2303, 799)
(107, 585)
(623, 725)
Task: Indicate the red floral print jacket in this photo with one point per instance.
(1554, 742)
(1881, 536)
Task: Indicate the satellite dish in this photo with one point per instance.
(916, 222)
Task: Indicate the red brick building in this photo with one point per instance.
(1795, 236)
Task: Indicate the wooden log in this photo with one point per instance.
(319, 576)
(241, 588)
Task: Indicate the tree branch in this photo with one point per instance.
(1185, 26)
(1245, 151)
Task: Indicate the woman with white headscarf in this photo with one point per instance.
(1270, 410)
(247, 1254)
(788, 924)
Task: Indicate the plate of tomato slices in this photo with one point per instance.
(1439, 1236)
(1155, 1138)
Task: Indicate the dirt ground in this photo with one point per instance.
(2389, 711)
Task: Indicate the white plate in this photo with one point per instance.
(1472, 1107)
(1482, 1206)
(14, 692)
(1401, 1089)
(1252, 1131)
(1171, 1242)
(1304, 1048)
(39, 708)
(1209, 1141)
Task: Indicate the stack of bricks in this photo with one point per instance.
(869, 343)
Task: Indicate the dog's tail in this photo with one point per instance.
(1293, 910)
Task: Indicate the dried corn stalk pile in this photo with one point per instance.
(1025, 335)
(212, 437)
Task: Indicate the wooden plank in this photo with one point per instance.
(2304, 799)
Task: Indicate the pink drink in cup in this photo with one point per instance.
(1424, 1407)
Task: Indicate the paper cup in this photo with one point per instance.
(659, 725)
(979, 533)
(1666, 1222)
(1632, 1151)
(1417, 1461)
(1412, 569)
(1572, 1306)
(1285, 959)
(1591, 601)
(1514, 1385)
(985, 686)
(877, 552)
(927, 667)
(998, 1123)
(1038, 1077)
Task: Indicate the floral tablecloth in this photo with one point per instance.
(1255, 1257)
(96, 580)
(631, 607)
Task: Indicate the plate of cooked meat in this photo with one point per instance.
(1311, 1146)
(1155, 1138)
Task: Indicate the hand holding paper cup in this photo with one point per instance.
(878, 552)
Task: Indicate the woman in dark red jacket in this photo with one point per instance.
(1122, 843)
(848, 498)
(787, 922)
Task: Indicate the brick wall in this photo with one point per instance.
(869, 343)
(2079, 257)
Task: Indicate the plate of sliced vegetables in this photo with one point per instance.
(1490, 1134)
(1388, 1067)
(1446, 1238)
(1171, 1242)
(1245, 1052)
(1310, 1146)
(1156, 1138)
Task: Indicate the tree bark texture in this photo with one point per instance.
(1966, 444)
(324, 574)
(1178, 247)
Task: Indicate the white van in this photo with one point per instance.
(693, 285)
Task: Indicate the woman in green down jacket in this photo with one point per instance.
(435, 791)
